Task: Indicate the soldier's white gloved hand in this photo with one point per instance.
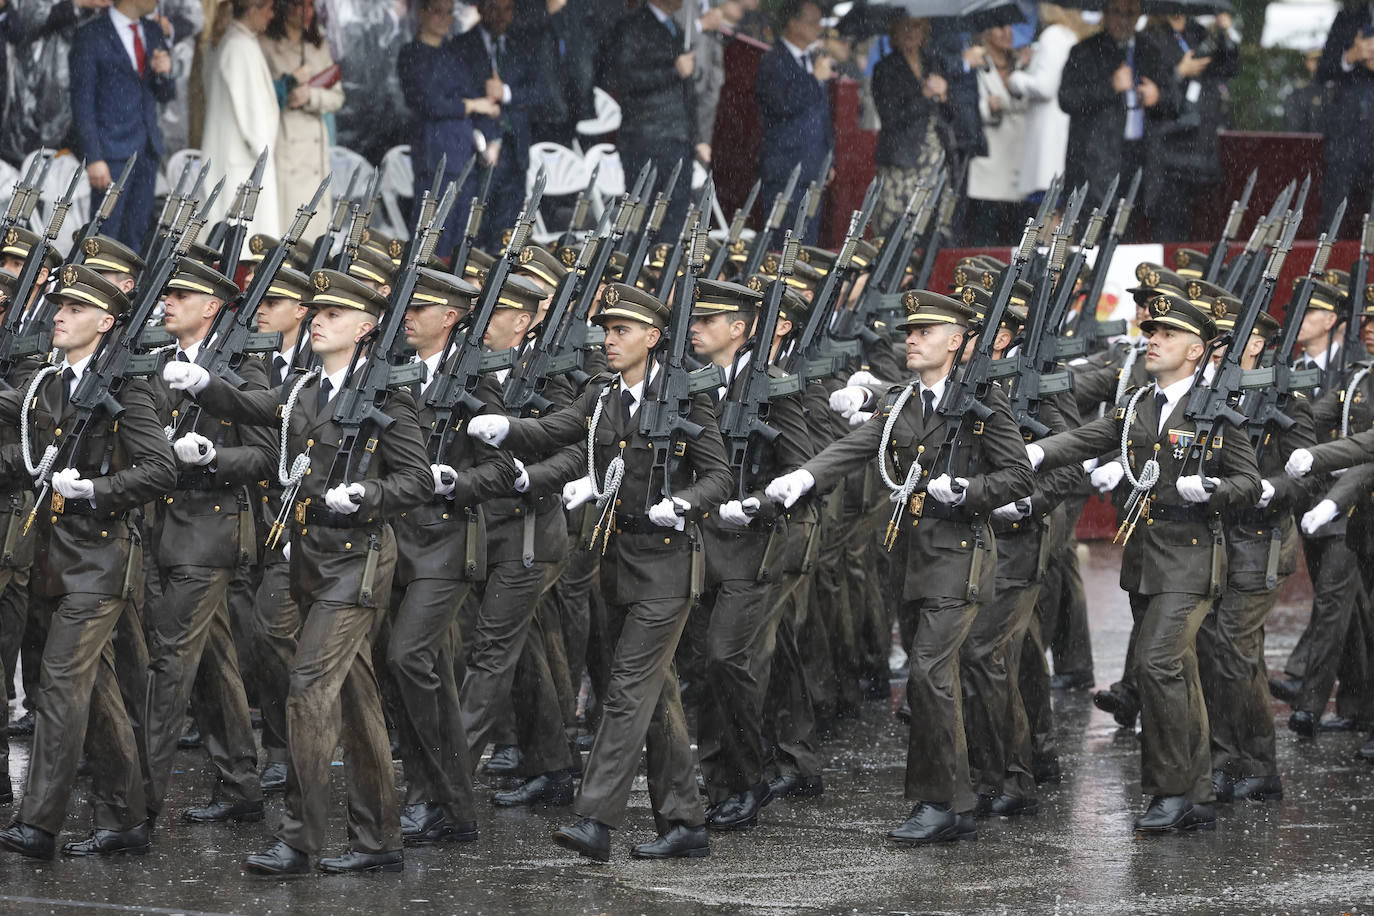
(1299, 463)
(735, 512)
(1091, 465)
(522, 483)
(845, 401)
(1192, 489)
(1035, 455)
(942, 488)
(576, 492)
(664, 513)
(865, 379)
(181, 376)
(194, 449)
(1266, 495)
(860, 417)
(790, 487)
(286, 551)
(69, 484)
(1319, 515)
(444, 479)
(489, 428)
(340, 498)
(1008, 513)
(1107, 476)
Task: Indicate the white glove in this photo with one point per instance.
(942, 488)
(181, 376)
(1008, 513)
(1299, 463)
(576, 492)
(865, 379)
(1319, 515)
(845, 401)
(1266, 494)
(489, 428)
(522, 483)
(860, 417)
(340, 498)
(440, 471)
(735, 512)
(1091, 465)
(286, 551)
(69, 484)
(664, 513)
(1192, 489)
(194, 449)
(1035, 455)
(1107, 476)
(790, 487)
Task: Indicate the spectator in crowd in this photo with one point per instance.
(1184, 150)
(1111, 83)
(754, 22)
(1047, 126)
(1348, 62)
(309, 91)
(651, 75)
(448, 102)
(494, 61)
(715, 24)
(912, 102)
(1304, 111)
(241, 114)
(996, 205)
(794, 103)
(558, 35)
(120, 70)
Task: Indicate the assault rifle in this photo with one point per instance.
(107, 205)
(1231, 231)
(732, 236)
(227, 238)
(764, 239)
(1088, 331)
(648, 236)
(1359, 279)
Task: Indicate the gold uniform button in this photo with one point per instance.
(617, 504)
(622, 443)
(104, 534)
(963, 543)
(58, 431)
(1149, 521)
(264, 499)
(169, 500)
(1194, 540)
(348, 545)
(445, 515)
(1015, 526)
(54, 519)
(309, 442)
(667, 540)
(216, 508)
(307, 472)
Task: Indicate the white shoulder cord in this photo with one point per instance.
(290, 480)
(1149, 471)
(1349, 396)
(41, 470)
(610, 485)
(900, 493)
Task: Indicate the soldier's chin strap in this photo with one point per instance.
(900, 492)
(1149, 471)
(610, 485)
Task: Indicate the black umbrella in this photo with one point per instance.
(992, 15)
(866, 19)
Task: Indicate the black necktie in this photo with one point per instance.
(182, 357)
(627, 400)
(68, 376)
(671, 25)
(1160, 402)
(928, 397)
(322, 396)
(278, 370)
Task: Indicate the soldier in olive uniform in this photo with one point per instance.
(342, 563)
(950, 550)
(1174, 566)
(87, 561)
(652, 551)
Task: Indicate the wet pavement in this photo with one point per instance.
(1310, 853)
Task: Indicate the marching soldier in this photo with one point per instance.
(344, 557)
(87, 559)
(647, 577)
(950, 551)
(1172, 576)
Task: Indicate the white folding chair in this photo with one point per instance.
(64, 167)
(345, 164)
(605, 121)
(610, 180)
(397, 185)
(565, 173)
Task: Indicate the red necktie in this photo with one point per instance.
(140, 55)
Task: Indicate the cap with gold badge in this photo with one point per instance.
(1226, 308)
(1169, 310)
(540, 264)
(260, 244)
(104, 253)
(1326, 297)
(1189, 262)
(383, 244)
(195, 277)
(623, 301)
(332, 288)
(1153, 279)
(520, 293)
(979, 299)
(479, 262)
(373, 265)
(289, 283)
(925, 307)
(720, 297)
(804, 276)
(20, 241)
(81, 284)
(435, 287)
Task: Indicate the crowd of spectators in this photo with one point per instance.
(1002, 110)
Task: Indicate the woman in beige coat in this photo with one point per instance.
(297, 54)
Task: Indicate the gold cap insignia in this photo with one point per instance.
(526, 254)
(804, 256)
(737, 246)
(1369, 293)
(365, 237)
(69, 275)
(969, 295)
(91, 247)
(568, 256)
(909, 301)
(506, 236)
(611, 296)
(320, 280)
(11, 237)
(1181, 258)
(1218, 309)
(770, 264)
(989, 280)
(960, 276)
(1161, 305)
(1333, 277)
(1141, 271)
(755, 283)
(1152, 278)
(395, 248)
(257, 245)
(1194, 290)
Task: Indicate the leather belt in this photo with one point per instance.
(1266, 517)
(317, 515)
(1165, 512)
(637, 524)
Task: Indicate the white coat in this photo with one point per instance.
(996, 176)
(241, 118)
(1047, 127)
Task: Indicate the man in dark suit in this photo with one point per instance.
(650, 75)
(86, 561)
(512, 81)
(794, 104)
(1111, 83)
(120, 71)
(1347, 63)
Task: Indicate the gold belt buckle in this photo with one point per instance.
(918, 504)
(59, 502)
(300, 513)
